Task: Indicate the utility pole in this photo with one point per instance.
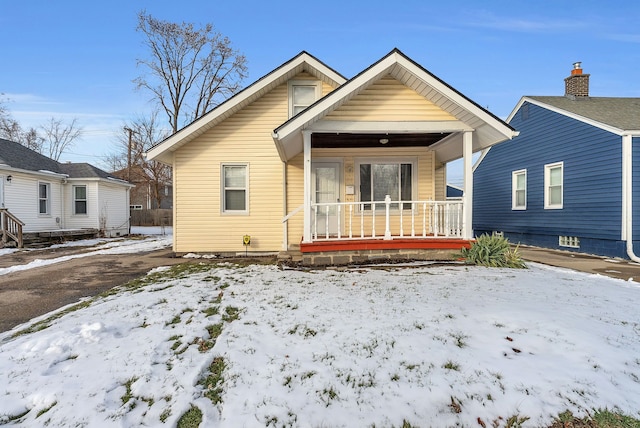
(130, 131)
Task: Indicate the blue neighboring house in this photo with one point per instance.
(570, 179)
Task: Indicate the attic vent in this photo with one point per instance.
(524, 112)
(569, 241)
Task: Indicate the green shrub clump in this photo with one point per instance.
(493, 251)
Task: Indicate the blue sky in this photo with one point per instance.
(77, 59)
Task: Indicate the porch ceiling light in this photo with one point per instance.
(384, 140)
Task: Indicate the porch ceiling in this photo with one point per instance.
(355, 140)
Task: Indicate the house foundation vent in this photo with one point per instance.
(569, 241)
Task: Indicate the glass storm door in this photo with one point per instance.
(326, 189)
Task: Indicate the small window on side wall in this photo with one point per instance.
(519, 190)
(235, 188)
(553, 186)
(80, 199)
(44, 202)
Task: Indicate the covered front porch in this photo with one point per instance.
(365, 167)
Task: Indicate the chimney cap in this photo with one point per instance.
(577, 68)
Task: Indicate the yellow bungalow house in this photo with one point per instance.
(329, 170)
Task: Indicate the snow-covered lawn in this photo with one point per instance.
(428, 345)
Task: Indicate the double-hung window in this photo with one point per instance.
(235, 188)
(519, 190)
(553, 185)
(377, 180)
(44, 198)
(79, 199)
(302, 93)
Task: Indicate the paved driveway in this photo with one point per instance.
(30, 293)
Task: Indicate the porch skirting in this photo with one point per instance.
(325, 253)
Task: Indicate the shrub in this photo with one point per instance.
(493, 251)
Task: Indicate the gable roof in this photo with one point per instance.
(301, 62)
(617, 115)
(16, 156)
(489, 129)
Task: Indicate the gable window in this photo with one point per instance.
(44, 203)
(79, 199)
(380, 179)
(553, 185)
(519, 190)
(235, 188)
(301, 95)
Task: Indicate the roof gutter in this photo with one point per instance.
(627, 193)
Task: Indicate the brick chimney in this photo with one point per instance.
(576, 86)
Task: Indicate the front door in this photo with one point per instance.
(326, 189)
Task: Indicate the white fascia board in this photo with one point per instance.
(332, 100)
(577, 117)
(239, 101)
(455, 97)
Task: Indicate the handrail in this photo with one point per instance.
(428, 219)
(11, 227)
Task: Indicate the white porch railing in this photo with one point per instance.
(384, 219)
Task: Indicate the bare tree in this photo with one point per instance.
(138, 136)
(10, 129)
(59, 136)
(190, 70)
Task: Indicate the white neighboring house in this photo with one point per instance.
(44, 195)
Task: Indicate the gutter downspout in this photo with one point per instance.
(627, 196)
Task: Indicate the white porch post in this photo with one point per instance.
(306, 138)
(467, 198)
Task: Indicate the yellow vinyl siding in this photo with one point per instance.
(244, 138)
(425, 180)
(440, 183)
(389, 100)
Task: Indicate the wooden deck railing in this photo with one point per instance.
(385, 219)
(11, 227)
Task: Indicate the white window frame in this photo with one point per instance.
(515, 190)
(47, 199)
(85, 200)
(223, 189)
(296, 83)
(547, 186)
(413, 161)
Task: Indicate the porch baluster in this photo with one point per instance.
(373, 220)
(436, 223)
(350, 221)
(413, 219)
(387, 208)
(315, 222)
(361, 220)
(326, 221)
(401, 206)
(339, 217)
(424, 219)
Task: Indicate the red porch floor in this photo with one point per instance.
(382, 244)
